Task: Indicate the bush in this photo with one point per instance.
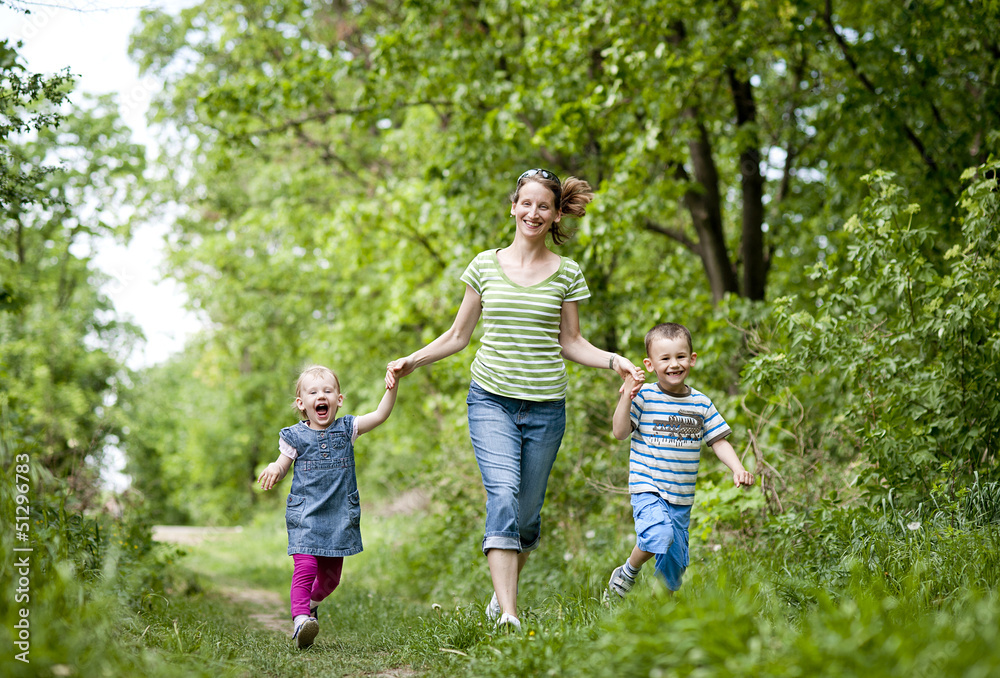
(897, 351)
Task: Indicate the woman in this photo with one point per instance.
(527, 296)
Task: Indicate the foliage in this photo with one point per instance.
(85, 572)
(891, 594)
(76, 571)
(901, 341)
(65, 181)
(336, 166)
(28, 102)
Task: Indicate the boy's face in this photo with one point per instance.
(671, 360)
(319, 401)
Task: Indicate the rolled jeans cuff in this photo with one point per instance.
(506, 541)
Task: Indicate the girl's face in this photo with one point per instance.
(534, 210)
(319, 400)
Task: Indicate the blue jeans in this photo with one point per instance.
(662, 528)
(516, 442)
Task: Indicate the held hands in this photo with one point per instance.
(397, 369)
(633, 376)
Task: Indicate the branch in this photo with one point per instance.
(323, 116)
(329, 157)
(674, 234)
(868, 85)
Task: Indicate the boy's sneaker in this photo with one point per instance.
(305, 632)
(508, 622)
(493, 608)
(620, 583)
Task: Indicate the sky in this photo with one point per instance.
(91, 38)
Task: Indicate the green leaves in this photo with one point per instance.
(913, 347)
(65, 182)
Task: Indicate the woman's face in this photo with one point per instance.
(534, 210)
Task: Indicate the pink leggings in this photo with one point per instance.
(314, 578)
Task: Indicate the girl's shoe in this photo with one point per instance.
(509, 622)
(305, 632)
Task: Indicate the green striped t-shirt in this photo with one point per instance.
(519, 356)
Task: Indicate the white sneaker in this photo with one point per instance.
(510, 621)
(620, 583)
(305, 632)
(493, 608)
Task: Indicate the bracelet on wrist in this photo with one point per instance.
(611, 361)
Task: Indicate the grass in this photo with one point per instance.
(863, 594)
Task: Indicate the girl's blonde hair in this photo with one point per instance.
(317, 372)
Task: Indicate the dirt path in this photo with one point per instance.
(186, 535)
(270, 606)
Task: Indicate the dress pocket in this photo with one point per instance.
(354, 508)
(293, 510)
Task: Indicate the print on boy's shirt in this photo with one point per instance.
(685, 425)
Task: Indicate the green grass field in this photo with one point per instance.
(871, 595)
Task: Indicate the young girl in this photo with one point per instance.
(323, 514)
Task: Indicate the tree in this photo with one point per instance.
(341, 163)
(904, 348)
(737, 113)
(64, 179)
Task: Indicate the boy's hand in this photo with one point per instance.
(269, 476)
(743, 477)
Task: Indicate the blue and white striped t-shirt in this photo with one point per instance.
(667, 433)
(519, 355)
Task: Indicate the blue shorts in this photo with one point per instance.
(661, 528)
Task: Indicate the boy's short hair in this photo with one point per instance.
(669, 331)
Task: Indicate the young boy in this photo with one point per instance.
(668, 421)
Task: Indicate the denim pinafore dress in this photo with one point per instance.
(323, 511)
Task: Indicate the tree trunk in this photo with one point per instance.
(752, 240)
(704, 204)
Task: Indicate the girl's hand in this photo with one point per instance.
(743, 478)
(269, 476)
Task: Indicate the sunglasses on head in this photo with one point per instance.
(543, 172)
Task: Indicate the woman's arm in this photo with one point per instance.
(579, 350)
(451, 342)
